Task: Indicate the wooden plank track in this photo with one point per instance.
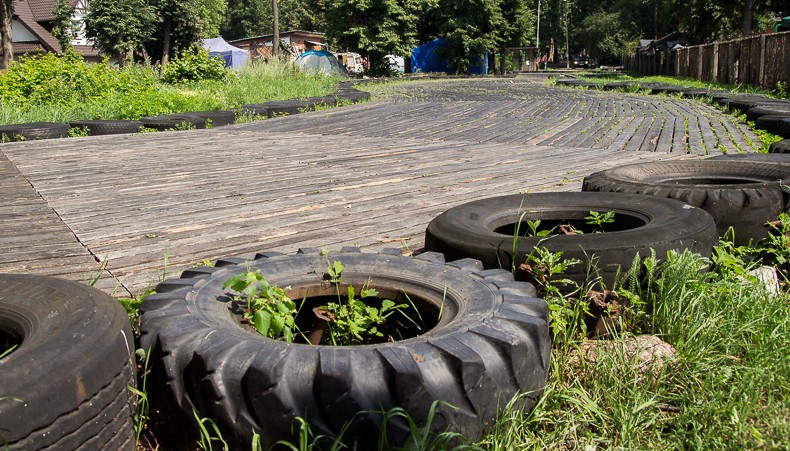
(371, 175)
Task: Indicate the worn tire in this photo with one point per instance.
(218, 118)
(765, 157)
(34, 130)
(770, 123)
(353, 96)
(108, 127)
(738, 194)
(774, 108)
(783, 128)
(483, 230)
(71, 368)
(491, 343)
(782, 146)
(170, 121)
(743, 103)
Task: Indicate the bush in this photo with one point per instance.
(68, 81)
(195, 64)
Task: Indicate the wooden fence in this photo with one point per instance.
(761, 61)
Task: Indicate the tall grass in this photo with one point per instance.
(256, 83)
(727, 389)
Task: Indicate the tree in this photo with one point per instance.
(212, 15)
(472, 27)
(64, 28)
(6, 16)
(605, 36)
(245, 18)
(374, 28)
(518, 26)
(118, 27)
(179, 23)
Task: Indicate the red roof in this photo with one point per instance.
(43, 9)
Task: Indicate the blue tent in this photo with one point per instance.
(234, 57)
(430, 58)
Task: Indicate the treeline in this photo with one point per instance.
(602, 29)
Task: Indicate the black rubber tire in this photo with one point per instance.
(615, 85)
(287, 107)
(718, 97)
(470, 230)
(783, 128)
(700, 92)
(171, 121)
(770, 123)
(738, 194)
(34, 130)
(108, 127)
(668, 89)
(765, 157)
(353, 96)
(768, 109)
(780, 146)
(71, 368)
(743, 103)
(491, 343)
(218, 118)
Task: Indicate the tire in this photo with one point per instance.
(768, 109)
(615, 85)
(353, 96)
(287, 107)
(34, 130)
(738, 194)
(783, 128)
(668, 89)
(766, 157)
(743, 103)
(780, 147)
(699, 92)
(167, 122)
(491, 342)
(484, 230)
(70, 370)
(110, 127)
(770, 123)
(218, 118)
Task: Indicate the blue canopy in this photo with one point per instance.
(430, 58)
(234, 57)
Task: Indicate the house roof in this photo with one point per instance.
(43, 9)
(24, 14)
(308, 34)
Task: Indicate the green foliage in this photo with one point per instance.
(195, 64)
(212, 15)
(68, 81)
(374, 29)
(472, 27)
(269, 310)
(76, 132)
(598, 219)
(64, 28)
(209, 433)
(607, 37)
(353, 321)
(118, 27)
(179, 26)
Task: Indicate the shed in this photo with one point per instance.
(234, 57)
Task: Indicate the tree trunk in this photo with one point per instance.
(165, 44)
(276, 36)
(502, 60)
(748, 16)
(6, 17)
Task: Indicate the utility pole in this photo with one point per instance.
(537, 31)
(276, 36)
(567, 49)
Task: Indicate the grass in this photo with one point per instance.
(682, 81)
(256, 83)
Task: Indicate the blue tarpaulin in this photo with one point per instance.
(234, 57)
(430, 58)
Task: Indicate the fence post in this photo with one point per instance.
(715, 61)
(761, 73)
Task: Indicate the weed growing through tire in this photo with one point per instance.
(268, 310)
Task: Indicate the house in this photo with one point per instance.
(296, 42)
(31, 28)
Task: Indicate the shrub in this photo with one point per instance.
(68, 81)
(194, 64)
